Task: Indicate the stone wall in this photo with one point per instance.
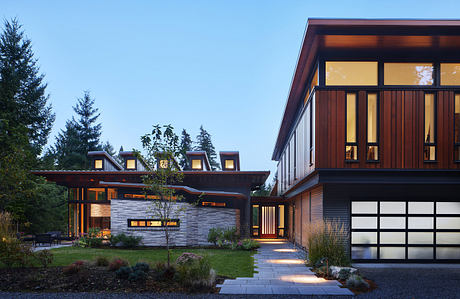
(195, 222)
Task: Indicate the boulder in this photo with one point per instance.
(335, 270)
(187, 257)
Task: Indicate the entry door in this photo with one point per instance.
(268, 220)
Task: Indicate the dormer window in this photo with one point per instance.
(229, 164)
(196, 164)
(130, 164)
(98, 164)
(164, 164)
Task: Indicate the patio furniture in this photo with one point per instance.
(56, 235)
(43, 239)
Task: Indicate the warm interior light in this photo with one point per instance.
(229, 164)
(97, 164)
(286, 261)
(302, 279)
(130, 164)
(164, 164)
(196, 164)
(285, 250)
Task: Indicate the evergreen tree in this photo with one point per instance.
(68, 148)
(204, 143)
(87, 128)
(109, 149)
(185, 145)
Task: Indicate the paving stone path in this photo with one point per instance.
(281, 270)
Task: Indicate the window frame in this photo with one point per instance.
(196, 159)
(356, 127)
(102, 164)
(430, 144)
(135, 164)
(146, 226)
(377, 143)
(434, 74)
(456, 144)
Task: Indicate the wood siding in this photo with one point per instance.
(401, 130)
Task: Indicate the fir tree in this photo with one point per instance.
(68, 148)
(185, 145)
(88, 129)
(109, 149)
(204, 143)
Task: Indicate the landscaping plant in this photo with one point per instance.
(117, 263)
(44, 257)
(196, 274)
(215, 234)
(125, 241)
(164, 272)
(356, 282)
(101, 261)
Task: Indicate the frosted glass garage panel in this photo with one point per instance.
(420, 253)
(392, 238)
(392, 207)
(392, 253)
(448, 222)
(364, 222)
(448, 208)
(420, 238)
(420, 223)
(364, 253)
(364, 207)
(420, 207)
(392, 222)
(448, 253)
(447, 238)
(364, 237)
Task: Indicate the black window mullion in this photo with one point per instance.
(434, 233)
(407, 230)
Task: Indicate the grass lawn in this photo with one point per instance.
(226, 262)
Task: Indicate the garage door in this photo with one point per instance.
(405, 231)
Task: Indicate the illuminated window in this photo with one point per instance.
(213, 204)
(372, 127)
(164, 164)
(153, 223)
(408, 73)
(450, 73)
(130, 164)
(351, 145)
(98, 164)
(196, 164)
(457, 128)
(229, 164)
(351, 73)
(429, 151)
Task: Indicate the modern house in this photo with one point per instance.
(111, 196)
(370, 137)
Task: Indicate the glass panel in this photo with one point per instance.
(392, 238)
(363, 253)
(281, 216)
(430, 134)
(448, 253)
(351, 73)
(420, 222)
(429, 153)
(447, 238)
(73, 194)
(393, 207)
(364, 207)
(164, 164)
(372, 153)
(408, 74)
(457, 119)
(130, 164)
(112, 193)
(448, 208)
(393, 222)
(96, 194)
(372, 118)
(97, 164)
(351, 152)
(255, 232)
(255, 215)
(420, 253)
(420, 207)
(351, 117)
(420, 238)
(98, 210)
(364, 222)
(450, 73)
(196, 164)
(392, 253)
(229, 164)
(448, 223)
(363, 237)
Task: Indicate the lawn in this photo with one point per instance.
(226, 262)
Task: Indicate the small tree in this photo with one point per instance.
(162, 148)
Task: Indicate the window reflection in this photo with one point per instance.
(408, 74)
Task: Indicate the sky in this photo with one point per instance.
(226, 65)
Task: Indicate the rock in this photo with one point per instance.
(187, 257)
(335, 270)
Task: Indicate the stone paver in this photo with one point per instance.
(281, 270)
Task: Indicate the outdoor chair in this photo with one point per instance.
(56, 235)
(43, 239)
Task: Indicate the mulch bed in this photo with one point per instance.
(94, 279)
(372, 284)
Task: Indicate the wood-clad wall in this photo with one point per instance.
(401, 130)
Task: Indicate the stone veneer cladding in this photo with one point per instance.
(195, 222)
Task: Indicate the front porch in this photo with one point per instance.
(268, 217)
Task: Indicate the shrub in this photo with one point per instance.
(101, 261)
(6, 226)
(44, 257)
(144, 267)
(137, 275)
(356, 282)
(344, 274)
(230, 235)
(163, 272)
(92, 239)
(214, 235)
(117, 263)
(196, 274)
(187, 257)
(125, 241)
(323, 271)
(250, 244)
(325, 240)
(75, 267)
(13, 252)
(124, 272)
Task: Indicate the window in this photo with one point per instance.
(357, 73)
(98, 164)
(457, 128)
(112, 193)
(295, 156)
(229, 164)
(255, 220)
(153, 223)
(143, 196)
(450, 73)
(196, 164)
(281, 220)
(372, 127)
(429, 151)
(213, 204)
(351, 143)
(311, 133)
(164, 164)
(131, 164)
(94, 194)
(408, 73)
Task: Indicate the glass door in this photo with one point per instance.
(268, 222)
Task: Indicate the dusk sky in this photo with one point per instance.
(226, 65)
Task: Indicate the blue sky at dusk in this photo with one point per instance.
(226, 65)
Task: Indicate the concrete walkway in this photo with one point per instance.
(281, 270)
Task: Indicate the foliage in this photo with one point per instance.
(117, 263)
(75, 267)
(12, 251)
(164, 272)
(326, 240)
(137, 275)
(6, 226)
(44, 257)
(264, 190)
(344, 274)
(185, 145)
(93, 239)
(246, 244)
(67, 148)
(196, 274)
(215, 234)
(101, 261)
(204, 143)
(125, 241)
(187, 257)
(223, 236)
(230, 234)
(356, 282)
(107, 147)
(123, 272)
(142, 267)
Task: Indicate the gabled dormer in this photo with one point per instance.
(101, 160)
(132, 162)
(164, 161)
(198, 161)
(230, 160)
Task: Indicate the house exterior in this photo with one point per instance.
(370, 137)
(111, 196)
